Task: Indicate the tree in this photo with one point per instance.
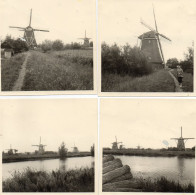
(46, 45)
(172, 62)
(62, 151)
(58, 45)
(187, 64)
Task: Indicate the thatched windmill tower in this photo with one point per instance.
(29, 35)
(151, 44)
(181, 141)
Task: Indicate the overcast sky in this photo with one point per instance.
(147, 122)
(66, 20)
(68, 120)
(119, 21)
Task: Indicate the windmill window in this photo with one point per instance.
(149, 58)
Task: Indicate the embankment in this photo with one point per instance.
(150, 152)
(33, 157)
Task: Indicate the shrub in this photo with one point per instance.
(46, 45)
(124, 61)
(57, 45)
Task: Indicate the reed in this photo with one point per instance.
(80, 180)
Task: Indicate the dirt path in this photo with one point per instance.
(19, 82)
(177, 86)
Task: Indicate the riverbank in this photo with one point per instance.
(80, 180)
(33, 157)
(151, 153)
(117, 177)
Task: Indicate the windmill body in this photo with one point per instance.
(151, 44)
(86, 41)
(150, 48)
(41, 147)
(115, 144)
(181, 141)
(29, 34)
(75, 149)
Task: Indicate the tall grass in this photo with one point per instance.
(159, 81)
(10, 69)
(81, 180)
(50, 72)
(163, 185)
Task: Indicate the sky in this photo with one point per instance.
(147, 122)
(119, 22)
(56, 121)
(66, 20)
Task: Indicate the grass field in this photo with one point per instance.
(50, 72)
(81, 180)
(63, 70)
(159, 81)
(10, 70)
(187, 84)
(75, 53)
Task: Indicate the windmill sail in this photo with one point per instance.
(29, 34)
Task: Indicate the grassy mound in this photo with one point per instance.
(81, 180)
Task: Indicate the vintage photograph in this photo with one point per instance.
(147, 45)
(49, 145)
(148, 145)
(47, 46)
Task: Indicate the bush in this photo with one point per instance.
(46, 45)
(17, 45)
(125, 61)
(57, 45)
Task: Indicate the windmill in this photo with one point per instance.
(115, 144)
(86, 40)
(12, 151)
(41, 148)
(181, 141)
(151, 44)
(75, 149)
(29, 34)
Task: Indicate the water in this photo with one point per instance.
(47, 165)
(173, 168)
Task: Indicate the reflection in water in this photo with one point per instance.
(180, 163)
(173, 168)
(62, 165)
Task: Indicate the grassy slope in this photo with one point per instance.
(57, 72)
(10, 69)
(187, 81)
(81, 180)
(159, 81)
